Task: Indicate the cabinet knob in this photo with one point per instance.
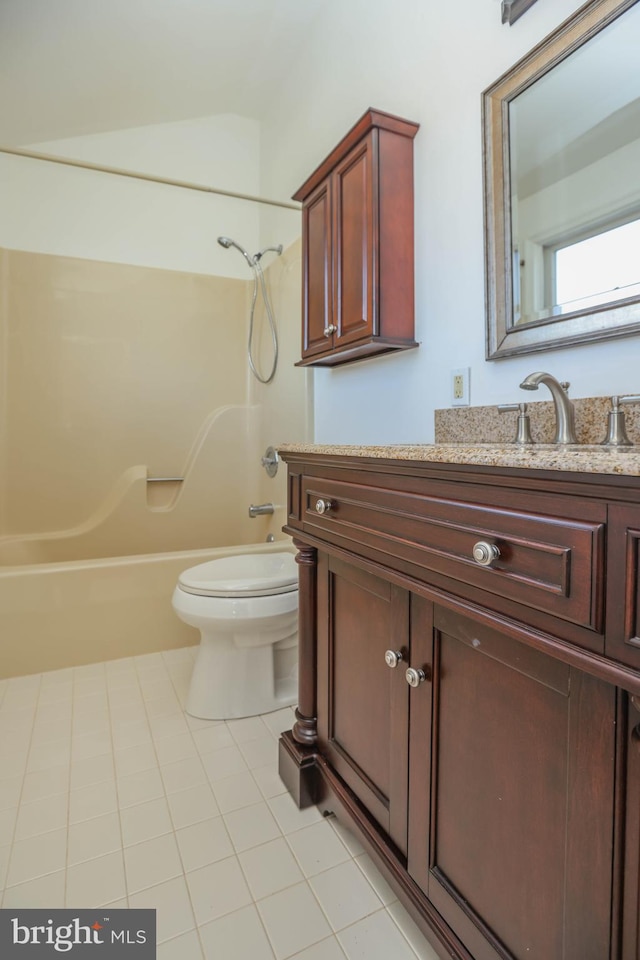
(393, 657)
(330, 329)
(323, 506)
(415, 677)
(485, 553)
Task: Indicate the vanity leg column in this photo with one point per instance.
(305, 729)
(297, 748)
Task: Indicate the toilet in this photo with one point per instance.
(246, 609)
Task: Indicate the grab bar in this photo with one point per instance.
(165, 479)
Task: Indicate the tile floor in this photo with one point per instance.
(111, 795)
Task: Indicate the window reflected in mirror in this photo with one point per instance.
(599, 268)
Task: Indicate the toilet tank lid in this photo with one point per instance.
(248, 575)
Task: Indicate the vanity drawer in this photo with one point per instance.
(546, 562)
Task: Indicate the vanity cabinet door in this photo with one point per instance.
(340, 256)
(318, 273)
(363, 702)
(508, 818)
(623, 599)
(631, 882)
(355, 266)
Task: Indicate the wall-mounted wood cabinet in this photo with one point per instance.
(476, 718)
(357, 238)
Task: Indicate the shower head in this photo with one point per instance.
(226, 242)
(258, 282)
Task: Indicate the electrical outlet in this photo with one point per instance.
(460, 387)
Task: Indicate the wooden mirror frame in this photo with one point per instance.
(503, 339)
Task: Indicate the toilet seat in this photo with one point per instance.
(247, 575)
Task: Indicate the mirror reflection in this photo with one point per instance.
(562, 191)
(574, 139)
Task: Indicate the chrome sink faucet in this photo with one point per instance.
(565, 425)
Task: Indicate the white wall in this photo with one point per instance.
(48, 208)
(428, 62)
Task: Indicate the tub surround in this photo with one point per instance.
(137, 517)
(110, 366)
(470, 664)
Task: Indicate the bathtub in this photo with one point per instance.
(56, 615)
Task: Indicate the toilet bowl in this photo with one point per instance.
(246, 609)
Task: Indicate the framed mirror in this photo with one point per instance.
(562, 187)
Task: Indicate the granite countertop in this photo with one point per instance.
(587, 458)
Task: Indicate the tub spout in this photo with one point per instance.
(565, 427)
(259, 509)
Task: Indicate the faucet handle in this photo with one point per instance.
(616, 430)
(270, 461)
(523, 430)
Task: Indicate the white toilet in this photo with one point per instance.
(246, 608)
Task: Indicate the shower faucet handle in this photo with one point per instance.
(270, 461)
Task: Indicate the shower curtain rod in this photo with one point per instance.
(118, 171)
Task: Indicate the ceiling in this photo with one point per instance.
(73, 67)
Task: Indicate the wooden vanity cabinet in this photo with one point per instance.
(486, 778)
(357, 241)
(500, 795)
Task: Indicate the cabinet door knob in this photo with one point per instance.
(323, 506)
(393, 657)
(415, 677)
(330, 329)
(485, 553)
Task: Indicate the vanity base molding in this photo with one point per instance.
(334, 798)
(297, 766)
(476, 722)
(311, 780)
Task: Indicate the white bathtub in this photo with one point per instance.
(55, 615)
